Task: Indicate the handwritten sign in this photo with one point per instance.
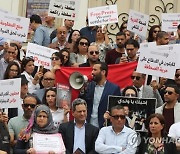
(170, 21)
(13, 27)
(138, 23)
(144, 106)
(67, 9)
(40, 54)
(43, 143)
(102, 15)
(10, 93)
(158, 60)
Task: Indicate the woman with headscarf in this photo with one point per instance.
(41, 122)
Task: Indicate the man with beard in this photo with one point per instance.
(97, 92)
(93, 56)
(170, 109)
(113, 54)
(18, 123)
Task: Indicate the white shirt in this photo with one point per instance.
(174, 131)
(110, 142)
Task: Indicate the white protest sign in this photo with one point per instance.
(43, 143)
(67, 9)
(40, 54)
(10, 93)
(4, 11)
(138, 23)
(170, 21)
(146, 44)
(13, 27)
(159, 61)
(102, 15)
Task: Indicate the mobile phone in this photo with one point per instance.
(41, 68)
(123, 55)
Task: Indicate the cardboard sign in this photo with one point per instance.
(102, 15)
(10, 93)
(67, 9)
(13, 27)
(138, 23)
(159, 61)
(43, 143)
(40, 54)
(170, 21)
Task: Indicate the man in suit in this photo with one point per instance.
(145, 91)
(97, 92)
(79, 136)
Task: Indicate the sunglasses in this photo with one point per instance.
(130, 95)
(177, 75)
(155, 31)
(31, 105)
(129, 49)
(83, 43)
(137, 77)
(92, 52)
(116, 117)
(54, 58)
(169, 92)
(9, 52)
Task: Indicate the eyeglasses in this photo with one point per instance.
(116, 117)
(177, 75)
(169, 92)
(55, 58)
(31, 105)
(15, 71)
(130, 95)
(65, 56)
(83, 43)
(156, 31)
(50, 79)
(137, 77)
(92, 52)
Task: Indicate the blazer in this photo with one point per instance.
(67, 132)
(109, 89)
(149, 93)
(169, 146)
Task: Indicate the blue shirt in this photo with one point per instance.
(108, 141)
(41, 36)
(79, 138)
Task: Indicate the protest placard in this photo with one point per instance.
(138, 23)
(43, 143)
(160, 61)
(102, 15)
(10, 93)
(139, 108)
(170, 21)
(40, 54)
(63, 97)
(13, 27)
(67, 9)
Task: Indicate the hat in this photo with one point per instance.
(23, 79)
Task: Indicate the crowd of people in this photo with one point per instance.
(93, 128)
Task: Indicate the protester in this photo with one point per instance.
(56, 61)
(41, 122)
(157, 140)
(154, 30)
(66, 54)
(59, 113)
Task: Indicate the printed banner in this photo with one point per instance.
(10, 93)
(159, 61)
(67, 9)
(170, 21)
(138, 23)
(102, 15)
(13, 27)
(40, 54)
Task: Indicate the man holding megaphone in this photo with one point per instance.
(97, 92)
